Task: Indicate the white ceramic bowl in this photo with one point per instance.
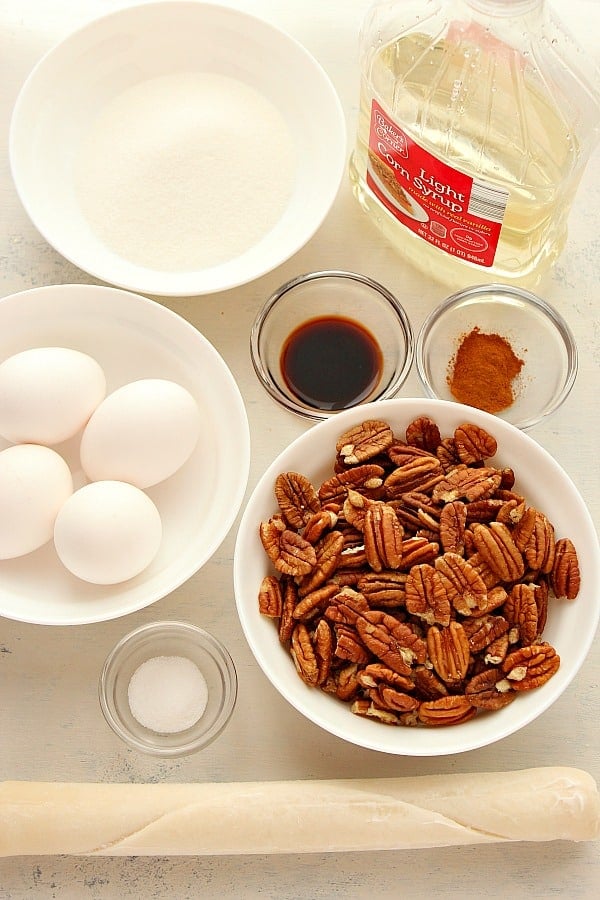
(132, 337)
(570, 627)
(75, 81)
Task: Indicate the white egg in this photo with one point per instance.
(47, 394)
(107, 532)
(141, 433)
(35, 482)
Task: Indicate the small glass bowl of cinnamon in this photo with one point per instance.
(498, 348)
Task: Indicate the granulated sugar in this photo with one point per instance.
(167, 694)
(185, 171)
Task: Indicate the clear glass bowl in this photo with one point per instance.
(338, 295)
(536, 332)
(168, 639)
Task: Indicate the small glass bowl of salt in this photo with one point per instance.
(168, 688)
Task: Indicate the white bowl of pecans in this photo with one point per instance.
(412, 565)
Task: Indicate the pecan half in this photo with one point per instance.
(482, 690)
(303, 654)
(520, 609)
(482, 632)
(494, 599)
(364, 441)
(328, 551)
(416, 510)
(343, 682)
(447, 455)
(542, 592)
(448, 650)
(565, 577)
(270, 597)
(464, 587)
(270, 534)
(453, 517)
(323, 648)
(466, 483)
(366, 478)
(474, 444)
(320, 522)
(368, 709)
(346, 607)
(350, 646)
(523, 530)
(387, 688)
(287, 550)
(497, 548)
(427, 684)
(383, 537)
(376, 674)
(352, 559)
(424, 433)
(484, 510)
(389, 698)
(420, 473)
(497, 650)
(418, 550)
(529, 667)
(355, 508)
(287, 621)
(451, 710)
(512, 511)
(391, 641)
(539, 552)
(426, 595)
(296, 497)
(386, 588)
(315, 602)
(489, 578)
(402, 452)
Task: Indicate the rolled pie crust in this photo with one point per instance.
(539, 804)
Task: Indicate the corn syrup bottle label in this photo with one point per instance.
(451, 210)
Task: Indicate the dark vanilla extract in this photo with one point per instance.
(331, 362)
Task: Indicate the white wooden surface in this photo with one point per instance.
(50, 723)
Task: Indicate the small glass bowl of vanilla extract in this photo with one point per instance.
(327, 341)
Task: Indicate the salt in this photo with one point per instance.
(185, 171)
(167, 694)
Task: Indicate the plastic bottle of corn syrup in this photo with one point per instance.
(477, 118)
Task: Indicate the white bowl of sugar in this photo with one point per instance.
(177, 148)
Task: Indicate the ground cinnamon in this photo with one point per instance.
(483, 370)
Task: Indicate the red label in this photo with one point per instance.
(459, 214)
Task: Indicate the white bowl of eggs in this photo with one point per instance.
(124, 453)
